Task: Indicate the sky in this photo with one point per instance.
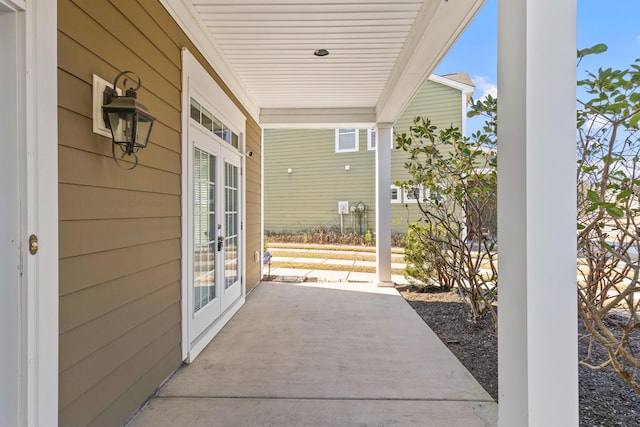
(613, 22)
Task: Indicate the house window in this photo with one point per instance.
(396, 194)
(346, 140)
(371, 139)
(211, 123)
(412, 195)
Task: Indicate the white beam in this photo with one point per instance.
(384, 135)
(437, 27)
(305, 118)
(538, 374)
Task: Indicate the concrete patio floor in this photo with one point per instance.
(322, 354)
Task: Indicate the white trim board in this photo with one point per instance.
(452, 83)
(35, 63)
(42, 208)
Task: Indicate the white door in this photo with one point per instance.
(10, 225)
(214, 276)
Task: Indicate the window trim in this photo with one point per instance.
(421, 195)
(398, 198)
(373, 148)
(350, 150)
(371, 131)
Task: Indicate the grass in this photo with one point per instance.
(331, 255)
(330, 267)
(314, 246)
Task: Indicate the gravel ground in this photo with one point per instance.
(604, 399)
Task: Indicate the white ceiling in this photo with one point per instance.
(380, 53)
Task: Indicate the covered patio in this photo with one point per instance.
(322, 354)
(362, 357)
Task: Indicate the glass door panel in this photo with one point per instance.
(204, 286)
(232, 239)
(232, 221)
(204, 265)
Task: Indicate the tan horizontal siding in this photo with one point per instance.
(91, 370)
(120, 231)
(110, 295)
(82, 272)
(107, 234)
(80, 61)
(253, 205)
(127, 402)
(88, 338)
(90, 405)
(81, 167)
(79, 202)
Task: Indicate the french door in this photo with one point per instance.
(215, 227)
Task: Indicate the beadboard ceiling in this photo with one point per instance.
(380, 52)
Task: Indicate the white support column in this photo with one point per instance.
(538, 373)
(384, 136)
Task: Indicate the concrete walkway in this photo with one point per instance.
(326, 274)
(323, 354)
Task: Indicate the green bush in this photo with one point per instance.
(424, 255)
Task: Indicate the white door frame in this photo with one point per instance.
(12, 222)
(37, 129)
(197, 83)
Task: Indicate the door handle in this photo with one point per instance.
(220, 242)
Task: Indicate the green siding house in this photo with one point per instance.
(326, 177)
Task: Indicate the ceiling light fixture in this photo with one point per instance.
(321, 52)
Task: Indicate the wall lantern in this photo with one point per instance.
(129, 121)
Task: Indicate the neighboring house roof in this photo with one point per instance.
(460, 81)
(460, 78)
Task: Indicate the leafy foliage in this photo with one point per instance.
(453, 180)
(608, 183)
(423, 251)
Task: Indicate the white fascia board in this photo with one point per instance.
(328, 118)
(437, 27)
(465, 89)
(186, 17)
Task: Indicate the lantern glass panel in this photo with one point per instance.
(121, 126)
(143, 131)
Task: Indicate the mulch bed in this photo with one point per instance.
(605, 400)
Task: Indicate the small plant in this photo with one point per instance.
(424, 256)
(321, 236)
(368, 239)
